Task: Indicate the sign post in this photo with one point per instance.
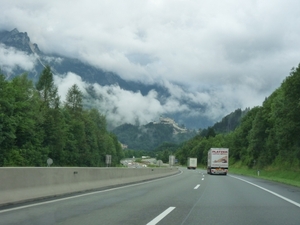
(171, 160)
(108, 160)
(49, 162)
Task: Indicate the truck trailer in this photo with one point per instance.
(217, 161)
(192, 163)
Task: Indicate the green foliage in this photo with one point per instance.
(264, 136)
(47, 89)
(74, 100)
(171, 147)
(34, 126)
(291, 177)
(230, 122)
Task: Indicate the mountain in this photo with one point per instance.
(18, 40)
(230, 121)
(18, 43)
(62, 65)
(166, 130)
(227, 124)
(152, 135)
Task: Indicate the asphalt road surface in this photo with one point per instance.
(191, 197)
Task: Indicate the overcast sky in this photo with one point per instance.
(240, 51)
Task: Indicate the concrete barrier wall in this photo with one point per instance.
(19, 184)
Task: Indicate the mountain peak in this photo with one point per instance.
(18, 40)
(176, 128)
(14, 32)
(62, 66)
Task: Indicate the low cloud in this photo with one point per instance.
(223, 55)
(66, 81)
(11, 59)
(123, 106)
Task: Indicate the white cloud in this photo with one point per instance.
(122, 106)
(66, 81)
(11, 59)
(226, 54)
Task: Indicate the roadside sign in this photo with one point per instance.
(108, 160)
(171, 160)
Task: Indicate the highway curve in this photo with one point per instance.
(191, 197)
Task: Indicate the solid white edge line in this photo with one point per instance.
(197, 186)
(82, 195)
(271, 192)
(161, 216)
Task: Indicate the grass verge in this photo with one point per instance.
(274, 174)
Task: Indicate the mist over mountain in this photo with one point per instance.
(191, 61)
(62, 65)
(152, 135)
(122, 101)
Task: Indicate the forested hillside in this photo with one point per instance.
(230, 122)
(150, 136)
(268, 135)
(35, 125)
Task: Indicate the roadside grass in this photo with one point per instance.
(291, 177)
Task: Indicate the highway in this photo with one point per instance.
(191, 197)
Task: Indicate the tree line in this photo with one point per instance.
(267, 136)
(35, 125)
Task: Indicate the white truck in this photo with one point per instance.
(217, 161)
(192, 163)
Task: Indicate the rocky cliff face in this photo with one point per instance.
(59, 64)
(18, 40)
(176, 128)
(62, 65)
